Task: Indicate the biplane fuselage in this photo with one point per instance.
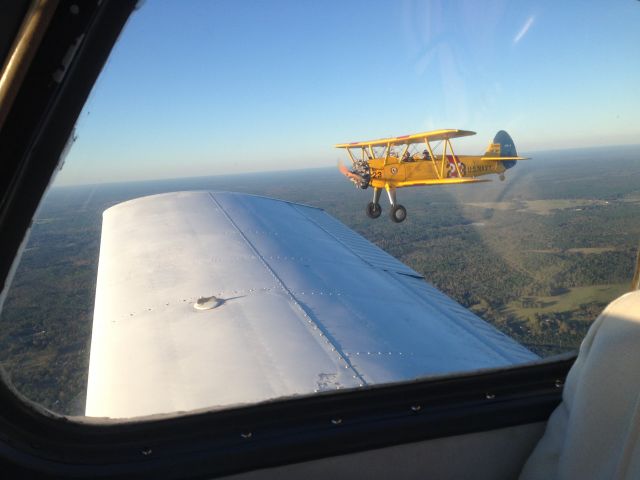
(378, 164)
(413, 173)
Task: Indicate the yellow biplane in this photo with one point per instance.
(397, 162)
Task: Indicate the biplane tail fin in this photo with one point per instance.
(503, 146)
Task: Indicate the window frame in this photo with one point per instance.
(210, 443)
(221, 442)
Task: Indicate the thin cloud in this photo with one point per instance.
(523, 31)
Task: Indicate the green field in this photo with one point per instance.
(542, 207)
(583, 251)
(568, 301)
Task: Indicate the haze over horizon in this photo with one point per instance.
(534, 154)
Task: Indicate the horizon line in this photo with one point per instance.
(280, 171)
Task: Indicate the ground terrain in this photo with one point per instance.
(538, 255)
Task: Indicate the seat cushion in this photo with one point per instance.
(594, 432)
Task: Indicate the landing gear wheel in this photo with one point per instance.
(373, 210)
(398, 213)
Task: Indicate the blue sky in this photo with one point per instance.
(212, 87)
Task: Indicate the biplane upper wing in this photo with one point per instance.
(214, 299)
(434, 135)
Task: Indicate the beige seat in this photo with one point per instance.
(595, 432)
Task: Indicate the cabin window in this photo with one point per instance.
(230, 97)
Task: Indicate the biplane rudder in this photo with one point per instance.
(503, 146)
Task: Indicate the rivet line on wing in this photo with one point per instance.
(311, 322)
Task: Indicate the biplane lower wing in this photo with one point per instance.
(207, 300)
(442, 181)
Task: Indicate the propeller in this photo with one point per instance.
(354, 177)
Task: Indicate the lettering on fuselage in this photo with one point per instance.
(480, 169)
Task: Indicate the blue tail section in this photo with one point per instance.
(507, 147)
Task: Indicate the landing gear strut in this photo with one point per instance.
(398, 213)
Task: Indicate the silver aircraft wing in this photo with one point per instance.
(217, 299)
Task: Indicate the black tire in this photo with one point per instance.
(373, 210)
(398, 213)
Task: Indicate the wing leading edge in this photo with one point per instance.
(432, 136)
(299, 304)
